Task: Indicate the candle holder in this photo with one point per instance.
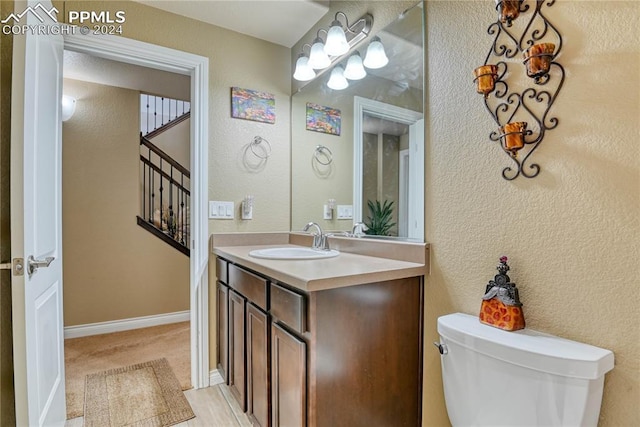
(537, 59)
(485, 79)
(508, 10)
(522, 115)
(512, 137)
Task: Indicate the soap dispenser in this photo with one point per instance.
(501, 306)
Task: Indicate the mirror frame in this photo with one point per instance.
(415, 121)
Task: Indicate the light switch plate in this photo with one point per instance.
(221, 210)
(345, 211)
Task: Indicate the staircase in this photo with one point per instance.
(165, 183)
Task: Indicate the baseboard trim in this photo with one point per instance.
(125, 324)
(215, 378)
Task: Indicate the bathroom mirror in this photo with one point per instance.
(364, 143)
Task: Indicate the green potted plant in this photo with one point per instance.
(379, 219)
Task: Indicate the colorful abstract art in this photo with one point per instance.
(323, 119)
(253, 105)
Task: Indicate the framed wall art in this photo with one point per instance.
(253, 105)
(323, 119)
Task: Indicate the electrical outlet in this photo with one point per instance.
(327, 212)
(247, 210)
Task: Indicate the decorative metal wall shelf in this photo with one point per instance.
(522, 117)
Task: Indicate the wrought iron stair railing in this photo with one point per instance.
(158, 114)
(166, 197)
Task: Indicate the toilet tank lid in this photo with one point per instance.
(528, 348)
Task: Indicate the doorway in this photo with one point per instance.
(196, 67)
(413, 168)
(126, 288)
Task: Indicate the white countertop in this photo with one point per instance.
(347, 269)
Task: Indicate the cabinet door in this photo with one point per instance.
(237, 378)
(258, 403)
(289, 378)
(222, 320)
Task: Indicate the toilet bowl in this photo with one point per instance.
(496, 378)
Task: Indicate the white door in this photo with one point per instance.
(37, 234)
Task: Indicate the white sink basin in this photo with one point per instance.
(293, 253)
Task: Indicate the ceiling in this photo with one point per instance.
(88, 68)
(279, 22)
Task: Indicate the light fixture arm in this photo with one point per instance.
(366, 21)
(325, 34)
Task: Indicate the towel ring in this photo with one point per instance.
(322, 151)
(256, 142)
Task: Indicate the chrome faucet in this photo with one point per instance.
(359, 225)
(320, 241)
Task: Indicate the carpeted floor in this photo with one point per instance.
(88, 355)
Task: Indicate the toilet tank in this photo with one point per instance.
(496, 378)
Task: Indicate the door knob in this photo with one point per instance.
(34, 264)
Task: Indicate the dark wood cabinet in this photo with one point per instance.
(237, 368)
(289, 377)
(258, 370)
(343, 356)
(222, 319)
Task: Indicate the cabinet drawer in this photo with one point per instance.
(253, 287)
(221, 270)
(288, 307)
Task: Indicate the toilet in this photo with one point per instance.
(496, 378)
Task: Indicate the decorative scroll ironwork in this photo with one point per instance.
(532, 104)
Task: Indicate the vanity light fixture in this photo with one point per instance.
(376, 56)
(68, 107)
(354, 69)
(303, 72)
(339, 41)
(337, 81)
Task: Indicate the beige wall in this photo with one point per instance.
(113, 269)
(175, 141)
(7, 410)
(571, 233)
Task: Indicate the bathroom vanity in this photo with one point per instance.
(323, 342)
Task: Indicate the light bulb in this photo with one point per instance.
(336, 44)
(337, 80)
(303, 71)
(375, 58)
(68, 107)
(318, 59)
(354, 69)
